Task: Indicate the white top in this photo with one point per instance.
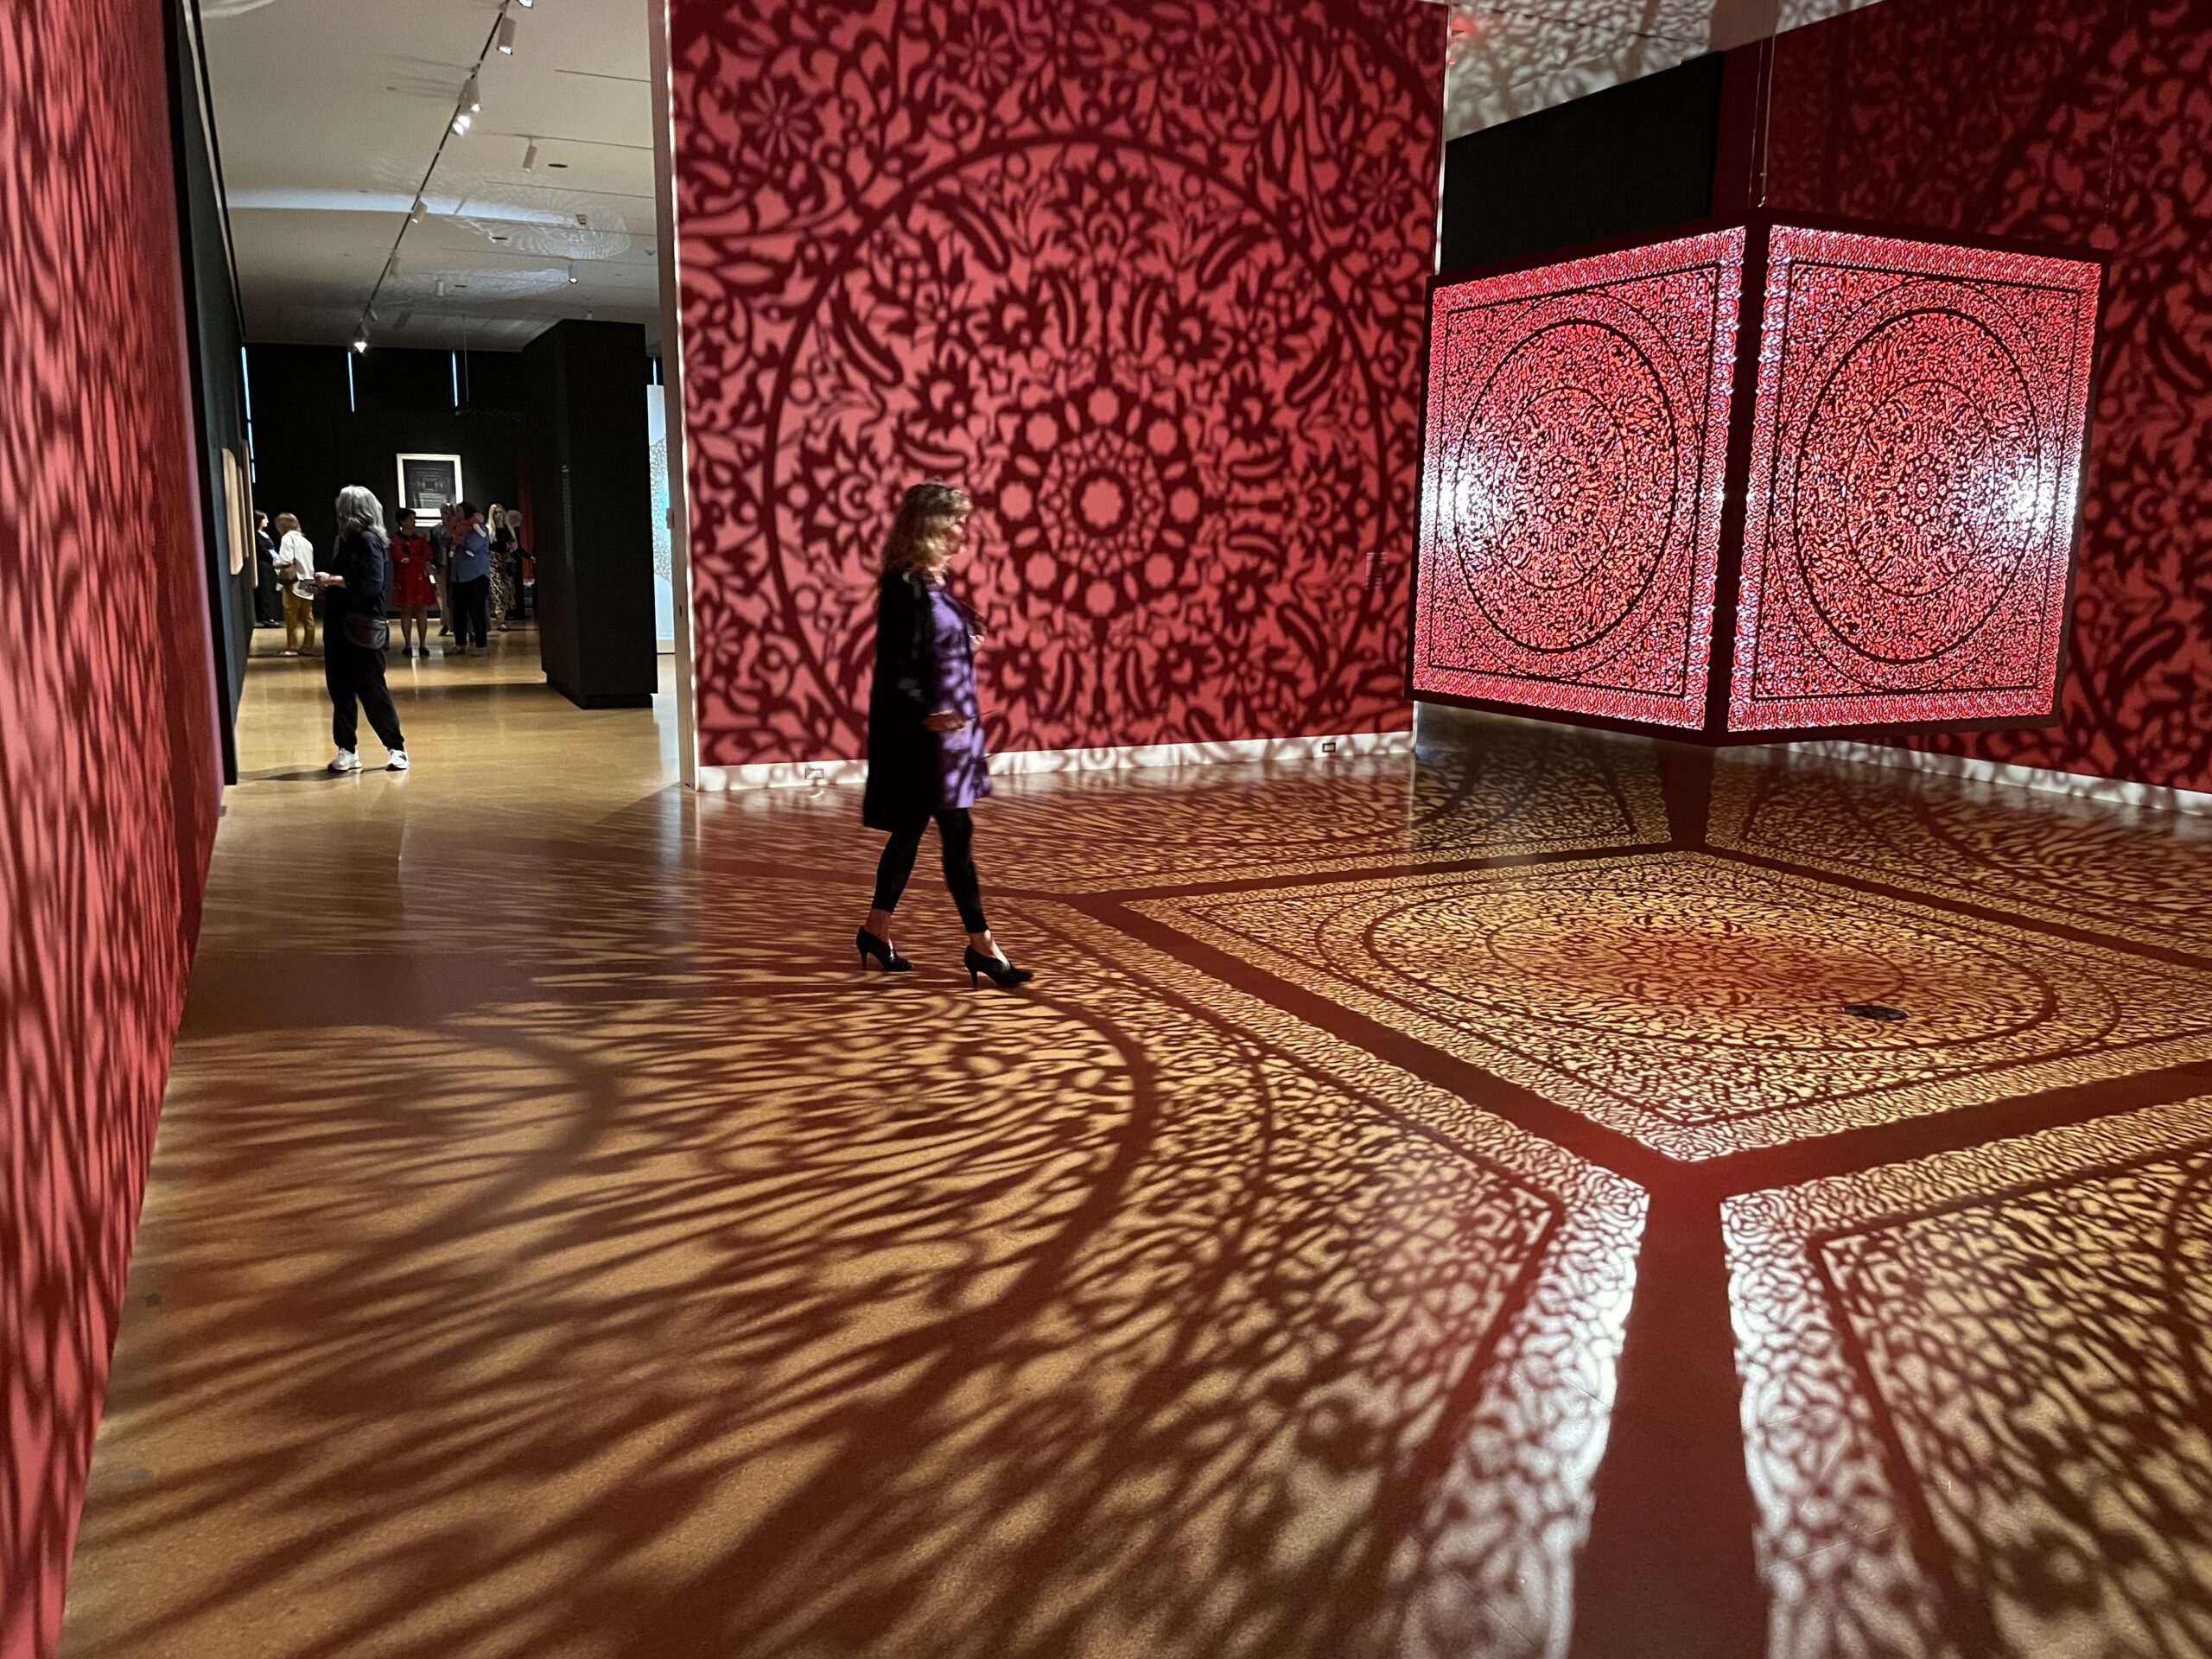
(294, 562)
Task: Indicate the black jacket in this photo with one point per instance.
(361, 558)
(903, 762)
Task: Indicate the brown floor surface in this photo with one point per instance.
(1422, 1209)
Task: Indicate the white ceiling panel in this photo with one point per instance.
(329, 112)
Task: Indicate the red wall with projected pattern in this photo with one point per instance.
(106, 731)
(1148, 280)
(2076, 122)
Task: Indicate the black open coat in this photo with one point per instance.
(905, 779)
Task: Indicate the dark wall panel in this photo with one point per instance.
(592, 490)
(1630, 158)
(218, 381)
(309, 444)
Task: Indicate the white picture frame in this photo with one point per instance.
(428, 484)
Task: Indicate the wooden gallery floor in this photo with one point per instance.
(1420, 1209)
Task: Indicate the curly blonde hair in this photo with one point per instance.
(921, 541)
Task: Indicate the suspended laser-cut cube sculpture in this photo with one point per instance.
(1774, 477)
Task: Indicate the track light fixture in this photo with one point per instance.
(572, 271)
(508, 36)
(460, 122)
(473, 95)
(525, 4)
(530, 157)
(415, 213)
(361, 343)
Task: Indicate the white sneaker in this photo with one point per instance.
(345, 760)
(398, 762)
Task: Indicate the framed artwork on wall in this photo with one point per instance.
(429, 483)
(237, 507)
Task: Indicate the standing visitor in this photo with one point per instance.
(411, 588)
(355, 632)
(525, 569)
(469, 581)
(268, 602)
(503, 579)
(296, 571)
(440, 566)
(926, 757)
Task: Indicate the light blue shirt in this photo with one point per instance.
(472, 559)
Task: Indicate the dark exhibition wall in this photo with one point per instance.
(325, 417)
(1147, 281)
(108, 722)
(583, 382)
(216, 331)
(2073, 127)
(1631, 158)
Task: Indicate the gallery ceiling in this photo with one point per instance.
(329, 111)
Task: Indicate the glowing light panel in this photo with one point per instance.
(1914, 469)
(1576, 447)
(1910, 467)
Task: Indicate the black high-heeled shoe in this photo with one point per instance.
(1003, 974)
(869, 945)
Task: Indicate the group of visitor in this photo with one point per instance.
(470, 567)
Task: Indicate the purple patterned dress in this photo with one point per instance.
(962, 766)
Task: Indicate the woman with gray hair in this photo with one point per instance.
(355, 631)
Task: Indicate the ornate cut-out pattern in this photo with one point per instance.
(1695, 1005)
(1575, 444)
(1146, 280)
(1916, 467)
(1974, 1399)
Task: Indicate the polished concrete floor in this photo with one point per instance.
(1434, 1207)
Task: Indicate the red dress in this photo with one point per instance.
(410, 571)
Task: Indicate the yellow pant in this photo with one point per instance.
(299, 613)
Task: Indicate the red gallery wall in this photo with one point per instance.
(109, 788)
(2080, 122)
(1144, 276)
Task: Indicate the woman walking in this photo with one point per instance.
(355, 632)
(296, 571)
(926, 756)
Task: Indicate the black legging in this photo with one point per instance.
(471, 603)
(957, 833)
